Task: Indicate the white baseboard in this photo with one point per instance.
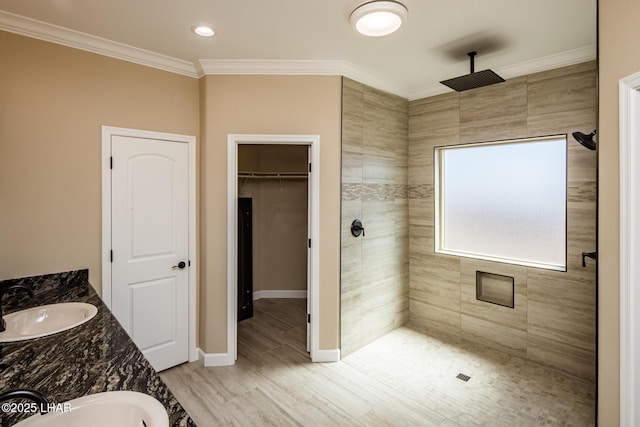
(194, 354)
(279, 294)
(223, 359)
(215, 359)
(327, 356)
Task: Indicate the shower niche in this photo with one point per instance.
(495, 289)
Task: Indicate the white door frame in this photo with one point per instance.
(107, 133)
(233, 140)
(629, 90)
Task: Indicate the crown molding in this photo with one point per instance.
(63, 36)
(297, 67)
(550, 62)
(269, 66)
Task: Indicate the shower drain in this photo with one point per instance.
(463, 377)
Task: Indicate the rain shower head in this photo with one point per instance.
(585, 140)
(473, 80)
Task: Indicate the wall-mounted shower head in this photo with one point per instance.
(586, 140)
(473, 80)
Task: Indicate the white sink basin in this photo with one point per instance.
(113, 408)
(46, 320)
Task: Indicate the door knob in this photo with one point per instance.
(180, 266)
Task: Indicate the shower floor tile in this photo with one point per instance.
(406, 378)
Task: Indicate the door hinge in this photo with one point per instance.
(309, 167)
(308, 318)
(111, 255)
(309, 242)
(111, 162)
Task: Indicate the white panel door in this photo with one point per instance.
(149, 213)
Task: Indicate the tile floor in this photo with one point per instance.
(406, 378)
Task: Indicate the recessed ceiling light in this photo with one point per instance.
(203, 31)
(378, 18)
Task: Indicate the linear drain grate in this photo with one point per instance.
(463, 377)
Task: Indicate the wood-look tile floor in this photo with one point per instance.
(406, 378)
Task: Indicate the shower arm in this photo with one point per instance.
(471, 58)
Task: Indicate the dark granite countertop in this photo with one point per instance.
(94, 357)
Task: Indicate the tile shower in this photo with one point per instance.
(393, 275)
(375, 266)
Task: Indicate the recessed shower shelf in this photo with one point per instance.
(495, 289)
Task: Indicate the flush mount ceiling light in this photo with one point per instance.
(378, 18)
(203, 31)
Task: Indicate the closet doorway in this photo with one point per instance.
(273, 207)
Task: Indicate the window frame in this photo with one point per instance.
(439, 203)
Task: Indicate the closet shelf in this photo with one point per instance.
(272, 175)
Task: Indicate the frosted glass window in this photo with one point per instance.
(504, 201)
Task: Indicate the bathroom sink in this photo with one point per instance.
(112, 408)
(46, 320)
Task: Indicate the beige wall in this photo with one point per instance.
(374, 266)
(266, 105)
(53, 102)
(280, 220)
(553, 320)
(272, 158)
(619, 56)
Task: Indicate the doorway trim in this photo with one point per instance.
(629, 91)
(107, 133)
(233, 140)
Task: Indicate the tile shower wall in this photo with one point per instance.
(553, 321)
(375, 267)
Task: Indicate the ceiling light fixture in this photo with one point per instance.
(203, 31)
(378, 18)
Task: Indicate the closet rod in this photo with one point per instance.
(272, 175)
